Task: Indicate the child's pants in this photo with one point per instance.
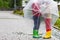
(36, 22)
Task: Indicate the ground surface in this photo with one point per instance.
(14, 27)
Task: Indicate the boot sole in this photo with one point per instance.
(37, 37)
(46, 38)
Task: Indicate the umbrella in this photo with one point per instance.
(52, 8)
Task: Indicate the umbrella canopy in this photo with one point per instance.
(52, 8)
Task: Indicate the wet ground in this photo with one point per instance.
(14, 27)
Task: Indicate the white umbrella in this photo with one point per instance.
(53, 9)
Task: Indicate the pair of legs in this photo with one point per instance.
(47, 19)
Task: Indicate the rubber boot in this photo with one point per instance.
(47, 35)
(35, 34)
(48, 28)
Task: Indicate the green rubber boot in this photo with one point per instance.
(35, 34)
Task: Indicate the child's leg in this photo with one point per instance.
(36, 26)
(36, 22)
(48, 26)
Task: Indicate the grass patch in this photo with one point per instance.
(18, 12)
(57, 24)
(59, 13)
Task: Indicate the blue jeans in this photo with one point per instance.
(36, 22)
